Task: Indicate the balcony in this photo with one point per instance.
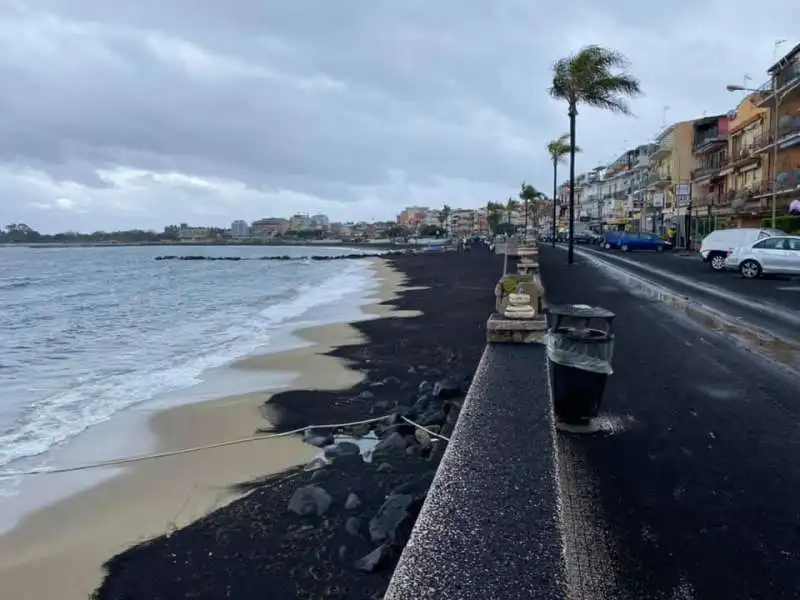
(784, 82)
(709, 171)
(662, 150)
(709, 140)
(656, 180)
(788, 135)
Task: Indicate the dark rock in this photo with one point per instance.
(383, 526)
(414, 450)
(424, 386)
(316, 463)
(343, 448)
(417, 487)
(384, 467)
(358, 431)
(391, 380)
(382, 405)
(376, 560)
(423, 402)
(447, 388)
(352, 502)
(435, 416)
(353, 526)
(366, 395)
(314, 438)
(423, 438)
(309, 500)
(394, 442)
(401, 427)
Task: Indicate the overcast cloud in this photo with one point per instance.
(116, 115)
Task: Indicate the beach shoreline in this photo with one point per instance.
(71, 539)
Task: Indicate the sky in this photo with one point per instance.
(121, 115)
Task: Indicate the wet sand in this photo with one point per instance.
(58, 552)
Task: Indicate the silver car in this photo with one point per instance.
(779, 255)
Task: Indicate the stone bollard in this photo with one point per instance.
(519, 312)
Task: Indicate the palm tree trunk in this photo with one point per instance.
(555, 193)
(571, 247)
(525, 233)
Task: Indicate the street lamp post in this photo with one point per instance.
(774, 160)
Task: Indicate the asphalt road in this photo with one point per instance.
(695, 493)
(783, 292)
(769, 305)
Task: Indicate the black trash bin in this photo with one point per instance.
(579, 358)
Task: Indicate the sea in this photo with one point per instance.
(87, 334)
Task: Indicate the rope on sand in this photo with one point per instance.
(145, 457)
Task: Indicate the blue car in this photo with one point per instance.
(627, 241)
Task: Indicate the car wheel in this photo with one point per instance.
(659, 248)
(624, 247)
(750, 269)
(717, 262)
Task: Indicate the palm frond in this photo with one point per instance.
(559, 148)
(589, 77)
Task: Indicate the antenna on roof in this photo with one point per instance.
(775, 47)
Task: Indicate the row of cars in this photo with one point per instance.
(615, 240)
(752, 251)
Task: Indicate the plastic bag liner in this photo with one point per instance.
(584, 349)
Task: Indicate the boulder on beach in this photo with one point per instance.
(310, 500)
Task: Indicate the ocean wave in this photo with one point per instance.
(147, 365)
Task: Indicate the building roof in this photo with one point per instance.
(788, 56)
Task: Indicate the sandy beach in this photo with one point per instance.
(58, 552)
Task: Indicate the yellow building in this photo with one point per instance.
(744, 168)
(671, 163)
(779, 143)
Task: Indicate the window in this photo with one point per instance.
(773, 243)
(793, 243)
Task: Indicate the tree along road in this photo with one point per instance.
(694, 493)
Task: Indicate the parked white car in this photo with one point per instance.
(718, 244)
(776, 255)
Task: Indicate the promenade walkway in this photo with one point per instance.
(695, 491)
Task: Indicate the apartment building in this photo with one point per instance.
(189, 234)
(779, 144)
(319, 222)
(412, 216)
(462, 221)
(668, 183)
(269, 227)
(240, 229)
(299, 222)
(710, 153)
(744, 167)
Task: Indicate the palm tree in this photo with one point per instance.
(558, 149)
(493, 212)
(528, 194)
(444, 217)
(595, 76)
(510, 207)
